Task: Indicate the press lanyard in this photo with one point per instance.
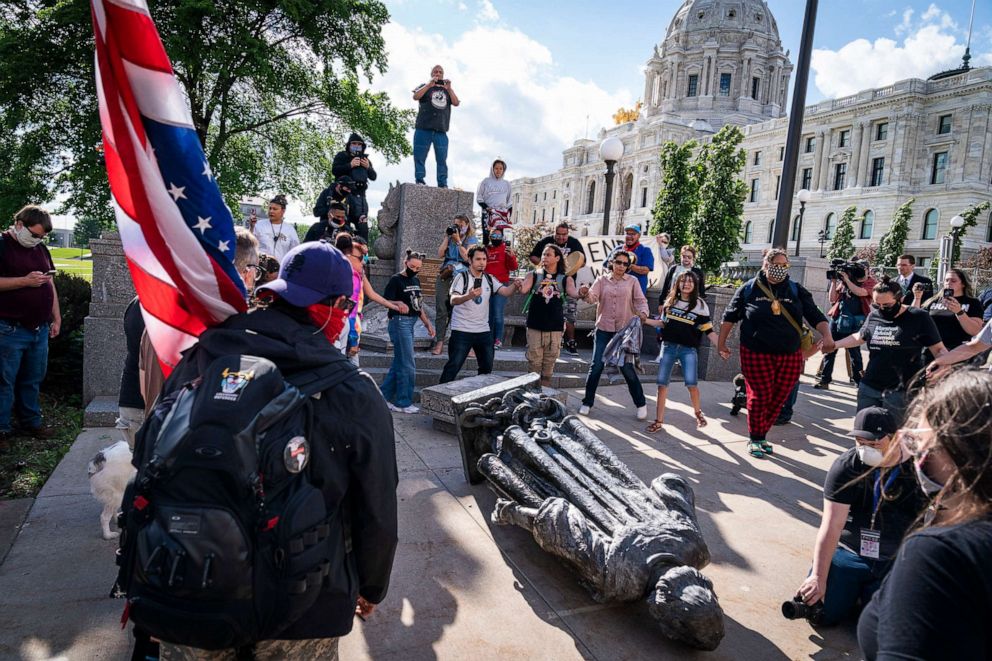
(879, 490)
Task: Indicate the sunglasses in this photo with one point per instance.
(417, 255)
(621, 263)
(38, 236)
(915, 439)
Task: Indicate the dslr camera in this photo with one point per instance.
(451, 230)
(797, 609)
(854, 270)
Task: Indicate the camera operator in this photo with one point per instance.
(453, 250)
(433, 117)
(870, 501)
(850, 299)
(354, 162)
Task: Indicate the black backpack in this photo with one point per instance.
(225, 539)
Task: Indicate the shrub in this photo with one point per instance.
(65, 352)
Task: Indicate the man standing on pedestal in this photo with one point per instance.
(436, 98)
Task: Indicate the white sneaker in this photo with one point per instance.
(411, 409)
(394, 408)
(583, 410)
(642, 412)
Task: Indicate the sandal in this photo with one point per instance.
(766, 447)
(655, 427)
(700, 420)
(755, 450)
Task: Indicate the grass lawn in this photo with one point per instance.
(70, 253)
(83, 269)
(26, 465)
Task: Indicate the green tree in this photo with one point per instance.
(678, 199)
(273, 88)
(842, 246)
(893, 243)
(970, 216)
(717, 227)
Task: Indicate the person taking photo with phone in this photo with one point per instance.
(955, 311)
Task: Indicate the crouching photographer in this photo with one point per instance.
(871, 499)
(453, 251)
(850, 299)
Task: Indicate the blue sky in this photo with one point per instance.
(535, 76)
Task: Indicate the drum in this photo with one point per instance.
(574, 262)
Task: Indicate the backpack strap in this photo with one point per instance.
(534, 287)
(311, 382)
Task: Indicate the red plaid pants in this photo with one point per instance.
(770, 378)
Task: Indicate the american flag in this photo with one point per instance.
(177, 233)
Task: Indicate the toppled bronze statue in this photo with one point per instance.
(627, 541)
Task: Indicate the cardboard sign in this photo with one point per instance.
(598, 248)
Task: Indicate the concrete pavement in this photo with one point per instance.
(463, 588)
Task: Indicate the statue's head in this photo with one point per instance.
(686, 608)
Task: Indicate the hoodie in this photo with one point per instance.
(342, 166)
(357, 459)
(494, 191)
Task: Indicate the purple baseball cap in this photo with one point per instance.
(311, 272)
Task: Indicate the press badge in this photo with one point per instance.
(870, 542)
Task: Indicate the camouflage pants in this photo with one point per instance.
(324, 649)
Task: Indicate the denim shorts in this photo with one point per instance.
(688, 357)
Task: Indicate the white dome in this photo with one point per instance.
(708, 15)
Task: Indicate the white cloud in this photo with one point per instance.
(931, 44)
(514, 103)
(487, 12)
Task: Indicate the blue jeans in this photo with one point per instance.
(893, 400)
(497, 304)
(397, 387)
(596, 370)
(687, 356)
(23, 362)
(852, 580)
(422, 141)
(458, 348)
(786, 412)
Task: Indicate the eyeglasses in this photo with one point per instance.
(915, 439)
(346, 304)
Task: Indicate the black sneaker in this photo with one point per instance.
(822, 385)
(572, 348)
(781, 421)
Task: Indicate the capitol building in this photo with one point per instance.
(721, 62)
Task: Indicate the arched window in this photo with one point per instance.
(628, 190)
(748, 232)
(867, 225)
(591, 196)
(771, 229)
(795, 229)
(830, 226)
(930, 219)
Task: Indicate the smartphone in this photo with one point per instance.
(948, 293)
(52, 272)
(477, 284)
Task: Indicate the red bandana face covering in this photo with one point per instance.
(330, 320)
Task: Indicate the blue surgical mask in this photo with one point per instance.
(930, 486)
(355, 150)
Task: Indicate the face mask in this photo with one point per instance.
(869, 456)
(355, 150)
(335, 223)
(496, 240)
(930, 486)
(330, 320)
(888, 313)
(776, 273)
(26, 238)
(463, 230)
(410, 272)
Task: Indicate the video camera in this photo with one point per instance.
(797, 609)
(854, 270)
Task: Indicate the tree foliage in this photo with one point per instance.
(842, 246)
(717, 227)
(675, 207)
(970, 216)
(893, 243)
(273, 88)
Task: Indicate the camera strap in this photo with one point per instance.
(785, 312)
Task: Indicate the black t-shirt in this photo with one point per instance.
(687, 327)
(406, 290)
(435, 109)
(134, 326)
(852, 482)
(951, 333)
(546, 310)
(572, 245)
(936, 602)
(894, 347)
(763, 331)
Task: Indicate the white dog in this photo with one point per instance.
(110, 471)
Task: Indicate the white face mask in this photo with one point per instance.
(26, 238)
(869, 456)
(930, 486)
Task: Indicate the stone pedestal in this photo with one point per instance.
(414, 217)
(103, 342)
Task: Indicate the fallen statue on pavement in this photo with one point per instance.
(582, 504)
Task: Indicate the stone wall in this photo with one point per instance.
(103, 342)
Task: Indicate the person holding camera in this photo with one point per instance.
(955, 311)
(500, 263)
(870, 501)
(433, 117)
(911, 282)
(936, 602)
(896, 336)
(353, 162)
(459, 237)
(665, 250)
(850, 299)
(471, 291)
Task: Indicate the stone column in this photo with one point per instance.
(982, 146)
(103, 328)
(865, 167)
(853, 176)
(824, 180)
(897, 126)
(817, 161)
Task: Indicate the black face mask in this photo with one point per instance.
(410, 272)
(496, 240)
(888, 313)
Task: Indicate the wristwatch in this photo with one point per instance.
(959, 313)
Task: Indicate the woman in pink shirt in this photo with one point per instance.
(619, 299)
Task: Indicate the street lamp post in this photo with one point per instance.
(948, 247)
(803, 197)
(957, 222)
(822, 236)
(610, 151)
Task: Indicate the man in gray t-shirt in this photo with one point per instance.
(470, 294)
(978, 344)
